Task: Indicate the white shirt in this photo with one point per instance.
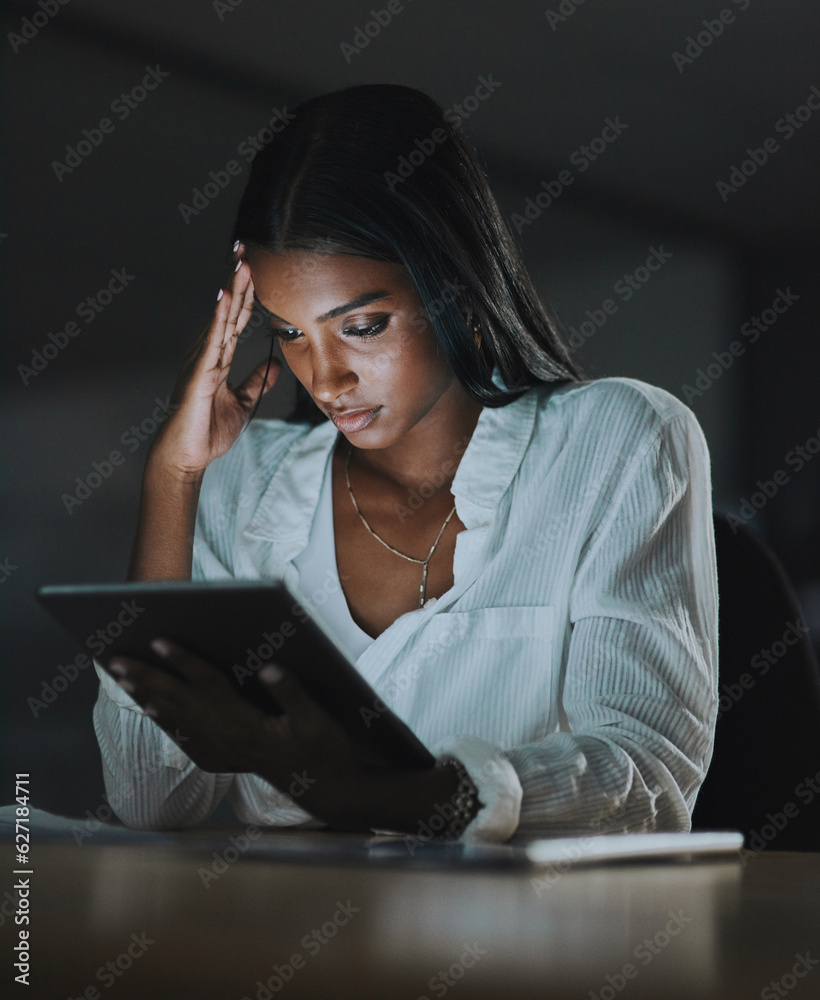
(572, 666)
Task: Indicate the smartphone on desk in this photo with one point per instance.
(236, 625)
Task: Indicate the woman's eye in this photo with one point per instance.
(368, 331)
(287, 334)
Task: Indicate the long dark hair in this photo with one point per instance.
(378, 171)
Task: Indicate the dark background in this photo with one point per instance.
(229, 67)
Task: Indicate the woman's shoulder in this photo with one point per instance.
(608, 422)
(613, 399)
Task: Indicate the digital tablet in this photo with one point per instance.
(238, 626)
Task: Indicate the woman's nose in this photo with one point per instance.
(332, 376)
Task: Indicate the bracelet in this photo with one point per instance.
(463, 801)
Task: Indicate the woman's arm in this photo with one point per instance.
(150, 782)
(163, 542)
(639, 695)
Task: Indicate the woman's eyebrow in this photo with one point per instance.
(361, 300)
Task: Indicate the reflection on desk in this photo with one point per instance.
(198, 914)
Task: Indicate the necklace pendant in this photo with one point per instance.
(423, 587)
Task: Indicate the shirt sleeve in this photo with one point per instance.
(639, 697)
(150, 782)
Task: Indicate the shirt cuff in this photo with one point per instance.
(497, 783)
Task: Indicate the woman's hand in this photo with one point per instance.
(305, 748)
(209, 413)
(223, 732)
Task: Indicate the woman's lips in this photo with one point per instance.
(354, 422)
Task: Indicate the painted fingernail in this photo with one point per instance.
(117, 667)
(221, 290)
(271, 674)
(128, 686)
(160, 647)
(238, 265)
(150, 711)
(236, 246)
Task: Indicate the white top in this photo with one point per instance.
(572, 666)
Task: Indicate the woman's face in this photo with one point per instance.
(355, 334)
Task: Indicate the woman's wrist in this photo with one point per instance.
(163, 545)
(406, 801)
(161, 471)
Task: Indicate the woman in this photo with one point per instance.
(524, 559)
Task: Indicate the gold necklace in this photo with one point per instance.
(423, 562)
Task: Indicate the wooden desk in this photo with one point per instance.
(714, 929)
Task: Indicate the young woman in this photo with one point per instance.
(519, 560)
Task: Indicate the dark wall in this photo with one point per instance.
(117, 212)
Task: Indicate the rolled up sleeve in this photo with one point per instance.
(640, 692)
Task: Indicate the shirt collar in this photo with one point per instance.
(486, 469)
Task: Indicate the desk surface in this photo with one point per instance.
(185, 916)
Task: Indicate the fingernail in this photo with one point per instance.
(238, 265)
(128, 686)
(221, 290)
(236, 246)
(271, 674)
(117, 667)
(150, 711)
(160, 646)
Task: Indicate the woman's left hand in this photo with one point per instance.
(223, 732)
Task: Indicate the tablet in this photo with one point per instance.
(238, 626)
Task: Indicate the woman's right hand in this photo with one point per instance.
(207, 413)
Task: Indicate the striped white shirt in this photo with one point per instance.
(572, 666)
